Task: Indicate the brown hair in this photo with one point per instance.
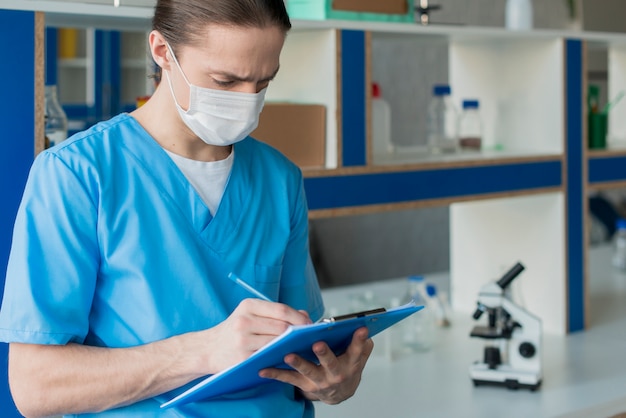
(182, 21)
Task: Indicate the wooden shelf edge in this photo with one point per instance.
(421, 204)
(606, 153)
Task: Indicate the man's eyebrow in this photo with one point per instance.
(235, 77)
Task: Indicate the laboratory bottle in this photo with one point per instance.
(619, 245)
(56, 119)
(381, 122)
(442, 121)
(470, 126)
(418, 330)
(519, 15)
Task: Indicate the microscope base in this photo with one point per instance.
(504, 376)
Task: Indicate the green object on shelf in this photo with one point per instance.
(597, 125)
(596, 120)
(322, 10)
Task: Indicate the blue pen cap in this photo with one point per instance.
(470, 104)
(442, 90)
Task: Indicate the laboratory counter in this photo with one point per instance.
(584, 374)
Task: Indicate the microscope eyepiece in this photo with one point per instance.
(510, 276)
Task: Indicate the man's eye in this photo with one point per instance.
(224, 83)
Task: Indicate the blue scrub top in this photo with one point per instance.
(113, 247)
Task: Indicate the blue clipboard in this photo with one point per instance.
(336, 332)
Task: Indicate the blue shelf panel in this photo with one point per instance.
(575, 188)
(353, 96)
(346, 191)
(607, 169)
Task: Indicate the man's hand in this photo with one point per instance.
(252, 325)
(335, 379)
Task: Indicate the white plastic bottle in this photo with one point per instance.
(418, 330)
(619, 245)
(470, 126)
(442, 121)
(519, 15)
(381, 123)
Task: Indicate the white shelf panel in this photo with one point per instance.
(617, 83)
(420, 155)
(489, 237)
(519, 83)
(311, 78)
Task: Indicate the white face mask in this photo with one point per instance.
(219, 117)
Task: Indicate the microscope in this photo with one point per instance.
(512, 354)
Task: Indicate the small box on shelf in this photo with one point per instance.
(296, 130)
(374, 10)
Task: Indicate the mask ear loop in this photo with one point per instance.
(177, 64)
(169, 81)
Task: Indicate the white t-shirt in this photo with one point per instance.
(208, 178)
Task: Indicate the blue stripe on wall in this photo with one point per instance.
(398, 187)
(17, 113)
(607, 169)
(575, 198)
(51, 56)
(353, 94)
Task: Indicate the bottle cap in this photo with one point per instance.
(416, 278)
(470, 104)
(376, 91)
(431, 290)
(621, 224)
(442, 90)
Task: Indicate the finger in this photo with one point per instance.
(276, 311)
(361, 346)
(327, 358)
(292, 377)
(303, 312)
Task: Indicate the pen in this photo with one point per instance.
(232, 276)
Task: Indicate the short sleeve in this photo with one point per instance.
(53, 264)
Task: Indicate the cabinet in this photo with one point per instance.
(526, 202)
(99, 72)
(515, 204)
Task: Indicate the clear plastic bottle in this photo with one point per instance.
(619, 245)
(56, 119)
(418, 330)
(443, 118)
(381, 123)
(519, 15)
(470, 126)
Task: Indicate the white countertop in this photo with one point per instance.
(584, 374)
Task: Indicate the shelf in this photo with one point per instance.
(607, 169)
(365, 189)
(136, 15)
(85, 15)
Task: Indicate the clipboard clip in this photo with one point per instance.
(353, 315)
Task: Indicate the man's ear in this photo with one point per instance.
(158, 49)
